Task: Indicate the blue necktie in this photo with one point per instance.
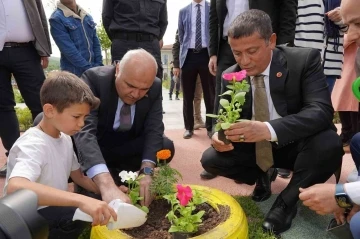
(198, 40)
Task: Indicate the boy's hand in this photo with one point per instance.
(100, 211)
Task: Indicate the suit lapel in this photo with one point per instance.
(277, 80)
(112, 106)
(188, 16)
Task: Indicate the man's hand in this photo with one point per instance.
(176, 71)
(161, 43)
(109, 191)
(353, 211)
(248, 131)
(334, 15)
(219, 145)
(145, 183)
(320, 198)
(213, 65)
(44, 62)
(339, 215)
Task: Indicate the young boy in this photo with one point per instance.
(42, 159)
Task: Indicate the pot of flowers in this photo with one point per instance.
(186, 210)
(231, 102)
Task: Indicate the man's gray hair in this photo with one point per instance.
(249, 22)
(137, 55)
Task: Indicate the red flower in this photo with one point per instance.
(184, 194)
(239, 76)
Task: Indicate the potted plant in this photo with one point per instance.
(231, 107)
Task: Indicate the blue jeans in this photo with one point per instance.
(331, 82)
(355, 226)
(355, 150)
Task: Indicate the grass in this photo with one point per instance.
(253, 214)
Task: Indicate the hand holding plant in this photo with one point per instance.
(183, 204)
(133, 181)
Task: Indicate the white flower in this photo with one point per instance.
(126, 176)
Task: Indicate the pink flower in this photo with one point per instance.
(184, 194)
(239, 76)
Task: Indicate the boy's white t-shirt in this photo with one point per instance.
(42, 159)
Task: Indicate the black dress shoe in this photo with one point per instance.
(284, 173)
(262, 189)
(206, 175)
(3, 170)
(279, 218)
(188, 134)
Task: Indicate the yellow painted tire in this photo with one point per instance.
(235, 227)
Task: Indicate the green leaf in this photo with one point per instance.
(231, 87)
(212, 116)
(173, 228)
(240, 97)
(217, 127)
(225, 125)
(228, 92)
(145, 209)
(224, 103)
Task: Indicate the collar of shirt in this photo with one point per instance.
(194, 4)
(69, 13)
(117, 114)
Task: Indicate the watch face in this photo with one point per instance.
(148, 171)
(343, 202)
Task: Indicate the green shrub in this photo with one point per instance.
(166, 84)
(25, 118)
(18, 96)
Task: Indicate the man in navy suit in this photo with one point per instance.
(194, 57)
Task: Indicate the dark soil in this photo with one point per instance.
(157, 225)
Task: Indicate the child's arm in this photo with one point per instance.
(80, 179)
(48, 196)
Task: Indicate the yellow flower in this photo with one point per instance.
(163, 154)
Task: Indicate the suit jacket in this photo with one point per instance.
(281, 12)
(184, 29)
(147, 124)
(300, 95)
(39, 25)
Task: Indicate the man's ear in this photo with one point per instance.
(273, 41)
(117, 69)
(49, 110)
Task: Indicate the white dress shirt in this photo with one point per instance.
(193, 24)
(14, 23)
(234, 7)
(353, 190)
(272, 111)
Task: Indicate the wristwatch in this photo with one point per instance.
(147, 171)
(342, 199)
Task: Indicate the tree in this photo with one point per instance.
(104, 41)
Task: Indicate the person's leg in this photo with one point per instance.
(9, 125)
(314, 161)
(189, 73)
(355, 226)
(172, 85)
(29, 77)
(355, 150)
(198, 122)
(346, 126)
(177, 88)
(61, 225)
(331, 82)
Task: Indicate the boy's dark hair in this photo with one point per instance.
(249, 22)
(63, 89)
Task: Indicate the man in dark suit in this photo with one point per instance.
(126, 131)
(222, 13)
(289, 119)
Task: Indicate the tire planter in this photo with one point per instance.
(235, 227)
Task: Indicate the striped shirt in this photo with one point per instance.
(309, 32)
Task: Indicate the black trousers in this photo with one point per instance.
(119, 48)
(225, 59)
(313, 160)
(61, 225)
(129, 159)
(24, 64)
(197, 64)
(350, 125)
